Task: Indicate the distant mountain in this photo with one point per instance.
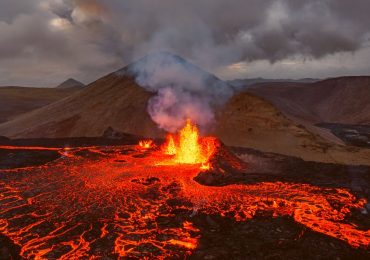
(18, 100)
(336, 100)
(245, 83)
(118, 101)
(70, 83)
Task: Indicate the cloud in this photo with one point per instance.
(89, 38)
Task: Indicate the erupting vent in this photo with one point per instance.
(146, 144)
(187, 147)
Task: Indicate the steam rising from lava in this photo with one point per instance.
(184, 91)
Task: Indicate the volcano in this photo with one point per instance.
(118, 101)
(115, 100)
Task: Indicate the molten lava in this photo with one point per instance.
(188, 147)
(146, 144)
(117, 202)
(170, 147)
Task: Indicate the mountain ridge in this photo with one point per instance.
(117, 101)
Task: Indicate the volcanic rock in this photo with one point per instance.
(224, 165)
(113, 134)
(4, 139)
(225, 161)
(8, 250)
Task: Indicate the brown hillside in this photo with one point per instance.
(19, 100)
(338, 100)
(250, 121)
(113, 100)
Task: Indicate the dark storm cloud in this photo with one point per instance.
(87, 38)
(11, 8)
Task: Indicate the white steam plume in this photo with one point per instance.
(183, 90)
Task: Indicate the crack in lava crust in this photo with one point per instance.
(116, 200)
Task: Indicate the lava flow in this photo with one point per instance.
(143, 202)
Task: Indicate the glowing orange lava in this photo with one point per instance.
(188, 147)
(205, 166)
(114, 202)
(146, 144)
(170, 147)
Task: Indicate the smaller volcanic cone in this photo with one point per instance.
(223, 166)
(223, 160)
(213, 157)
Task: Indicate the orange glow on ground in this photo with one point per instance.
(115, 201)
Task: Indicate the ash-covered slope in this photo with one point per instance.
(251, 121)
(343, 100)
(113, 100)
(18, 100)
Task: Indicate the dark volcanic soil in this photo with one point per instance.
(117, 202)
(356, 135)
(275, 167)
(266, 237)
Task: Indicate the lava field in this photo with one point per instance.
(126, 202)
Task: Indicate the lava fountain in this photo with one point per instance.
(187, 147)
(146, 144)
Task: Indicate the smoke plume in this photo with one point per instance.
(182, 90)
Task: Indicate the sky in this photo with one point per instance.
(44, 42)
